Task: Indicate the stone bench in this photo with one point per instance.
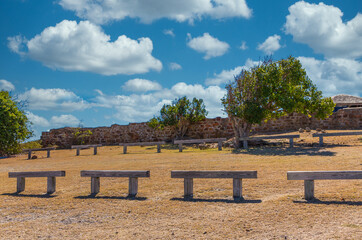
(51, 175)
(79, 147)
(207, 140)
(310, 176)
(29, 151)
(291, 137)
(125, 145)
(321, 135)
(132, 175)
(237, 177)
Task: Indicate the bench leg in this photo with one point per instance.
(50, 185)
(245, 144)
(237, 188)
(291, 142)
(180, 147)
(219, 144)
(308, 189)
(321, 141)
(20, 184)
(29, 155)
(158, 148)
(95, 184)
(188, 187)
(95, 151)
(48, 153)
(124, 149)
(132, 186)
(78, 150)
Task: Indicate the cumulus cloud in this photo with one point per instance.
(243, 46)
(65, 120)
(226, 76)
(53, 99)
(270, 45)
(212, 47)
(83, 46)
(335, 75)
(169, 32)
(141, 107)
(141, 85)
(321, 27)
(37, 120)
(175, 66)
(103, 11)
(6, 85)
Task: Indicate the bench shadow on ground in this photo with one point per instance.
(295, 151)
(30, 195)
(241, 200)
(93, 196)
(317, 201)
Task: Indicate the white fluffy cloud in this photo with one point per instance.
(321, 27)
(332, 75)
(53, 99)
(212, 47)
(36, 120)
(175, 66)
(169, 32)
(227, 76)
(141, 85)
(65, 120)
(243, 46)
(83, 46)
(6, 85)
(270, 45)
(102, 11)
(141, 107)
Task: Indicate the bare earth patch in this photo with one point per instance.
(273, 208)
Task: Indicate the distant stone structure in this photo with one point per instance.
(347, 118)
(347, 101)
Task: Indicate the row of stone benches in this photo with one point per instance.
(196, 141)
(188, 176)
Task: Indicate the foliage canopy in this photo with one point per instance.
(13, 125)
(271, 90)
(180, 115)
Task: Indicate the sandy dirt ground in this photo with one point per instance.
(273, 207)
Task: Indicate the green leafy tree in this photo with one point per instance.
(81, 136)
(271, 90)
(180, 115)
(13, 125)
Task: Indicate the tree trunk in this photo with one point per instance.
(241, 130)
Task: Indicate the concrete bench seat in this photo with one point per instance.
(321, 135)
(132, 175)
(51, 175)
(237, 177)
(206, 140)
(291, 137)
(29, 151)
(79, 147)
(310, 176)
(125, 145)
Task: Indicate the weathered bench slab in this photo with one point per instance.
(132, 175)
(321, 135)
(237, 177)
(51, 175)
(29, 151)
(291, 137)
(125, 145)
(310, 176)
(206, 140)
(79, 147)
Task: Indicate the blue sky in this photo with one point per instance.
(101, 62)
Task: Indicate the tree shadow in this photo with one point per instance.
(317, 201)
(295, 151)
(237, 200)
(94, 196)
(16, 194)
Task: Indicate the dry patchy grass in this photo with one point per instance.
(273, 208)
